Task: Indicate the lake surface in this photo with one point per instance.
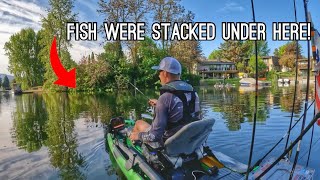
(60, 136)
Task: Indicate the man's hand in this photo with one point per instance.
(153, 102)
(134, 136)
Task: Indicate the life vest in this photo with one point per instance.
(179, 88)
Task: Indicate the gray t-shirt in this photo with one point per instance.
(169, 108)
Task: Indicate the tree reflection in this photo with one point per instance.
(62, 138)
(29, 122)
(286, 100)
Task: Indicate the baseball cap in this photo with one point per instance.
(170, 65)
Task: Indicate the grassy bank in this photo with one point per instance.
(234, 81)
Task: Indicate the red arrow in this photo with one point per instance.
(65, 78)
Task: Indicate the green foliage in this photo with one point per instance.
(29, 121)
(276, 52)
(24, 63)
(215, 54)
(192, 79)
(92, 75)
(59, 13)
(241, 67)
(234, 81)
(232, 50)
(0, 82)
(272, 75)
(248, 48)
(110, 69)
(187, 52)
(262, 67)
(238, 51)
(62, 139)
(168, 11)
(6, 83)
(150, 55)
(288, 55)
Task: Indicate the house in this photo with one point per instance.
(217, 69)
(272, 62)
(303, 66)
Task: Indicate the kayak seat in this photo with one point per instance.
(188, 140)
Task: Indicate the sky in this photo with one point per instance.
(18, 14)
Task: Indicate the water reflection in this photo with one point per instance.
(237, 105)
(29, 122)
(49, 120)
(62, 139)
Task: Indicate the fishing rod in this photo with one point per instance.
(136, 88)
(315, 59)
(307, 96)
(255, 100)
(298, 139)
(296, 78)
(287, 133)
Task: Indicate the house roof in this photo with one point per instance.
(216, 61)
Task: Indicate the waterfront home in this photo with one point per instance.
(218, 69)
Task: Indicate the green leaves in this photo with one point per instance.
(23, 51)
(59, 13)
(262, 67)
(287, 54)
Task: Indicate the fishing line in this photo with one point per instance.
(311, 146)
(307, 96)
(136, 88)
(255, 100)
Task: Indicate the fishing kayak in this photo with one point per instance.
(183, 156)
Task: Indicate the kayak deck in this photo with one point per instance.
(224, 174)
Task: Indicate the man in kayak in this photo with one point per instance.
(177, 105)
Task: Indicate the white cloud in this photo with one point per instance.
(84, 48)
(231, 6)
(16, 15)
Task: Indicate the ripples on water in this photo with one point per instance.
(62, 136)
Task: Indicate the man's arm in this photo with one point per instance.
(159, 124)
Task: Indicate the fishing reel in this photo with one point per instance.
(116, 124)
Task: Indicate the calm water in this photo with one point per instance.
(59, 136)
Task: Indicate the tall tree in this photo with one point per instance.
(188, 53)
(24, 63)
(262, 67)
(276, 52)
(125, 11)
(248, 47)
(215, 54)
(59, 13)
(168, 11)
(288, 54)
(232, 50)
(114, 11)
(6, 83)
